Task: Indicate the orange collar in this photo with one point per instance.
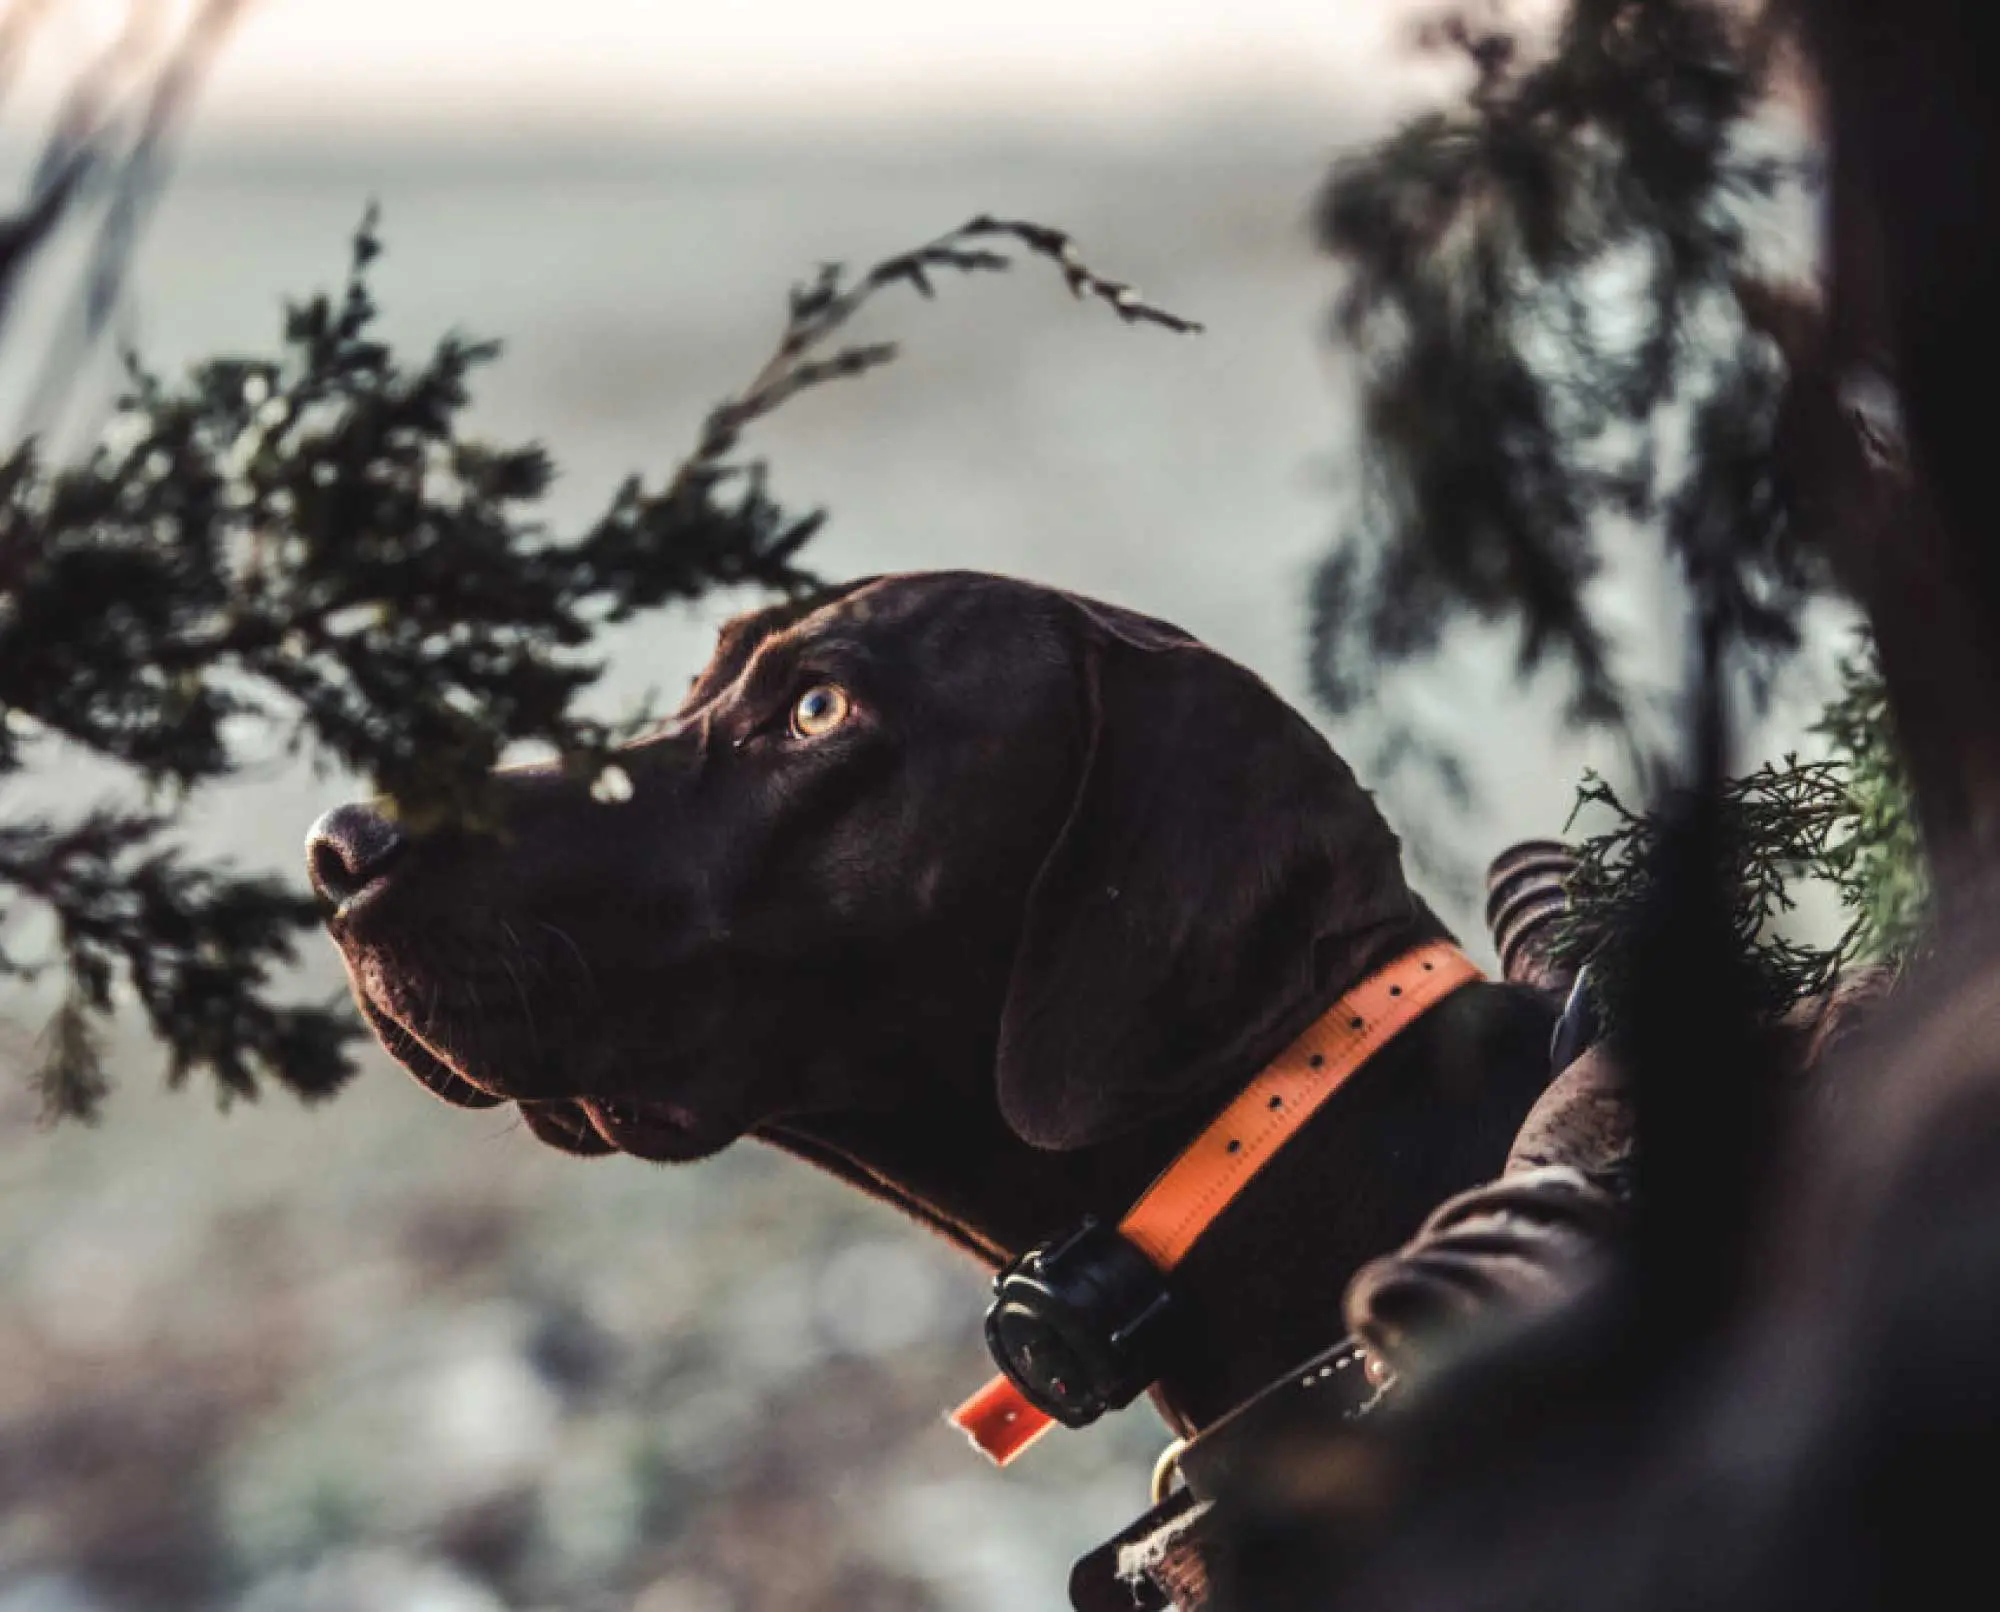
(1184, 1201)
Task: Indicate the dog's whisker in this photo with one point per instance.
(512, 945)
(537, 958)
(520, 989)
(527, 1007)
(576, 951)
(526, 958)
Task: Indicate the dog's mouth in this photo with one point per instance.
(475, 1024)
(430, 1071)
(587, 1125)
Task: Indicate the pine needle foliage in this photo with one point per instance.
(307, 552)
(1843, 822)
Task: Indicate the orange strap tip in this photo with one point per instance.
(1000, 1421)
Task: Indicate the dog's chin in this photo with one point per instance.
(591, 1128)
(665, 1133)
(662, 1132)
(566, 1128)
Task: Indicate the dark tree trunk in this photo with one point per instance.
(1915, 267)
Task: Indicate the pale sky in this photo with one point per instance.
(402, 61)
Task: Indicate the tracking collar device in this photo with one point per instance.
(1078, 1325)
(1082, 1324)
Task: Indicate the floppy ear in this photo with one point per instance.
(1218, 868)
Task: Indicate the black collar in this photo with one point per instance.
(1166, 1558)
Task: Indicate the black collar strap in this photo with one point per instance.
(1168, 1556)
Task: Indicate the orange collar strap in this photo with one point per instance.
(1188, 1196)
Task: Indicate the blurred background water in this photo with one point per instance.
(385, 1355)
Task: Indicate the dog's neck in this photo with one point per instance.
(1421, 1121)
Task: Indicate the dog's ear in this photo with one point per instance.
(1217, 862)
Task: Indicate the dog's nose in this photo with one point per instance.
(349, 849)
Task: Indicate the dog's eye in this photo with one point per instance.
(820, 710)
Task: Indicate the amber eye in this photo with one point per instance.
(820, 710)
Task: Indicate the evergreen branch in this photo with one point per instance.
(1843, 822)
(822, 307)
(197, 950)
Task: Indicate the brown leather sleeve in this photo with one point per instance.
(1493, 1255)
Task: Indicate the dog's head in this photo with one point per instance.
(937, 836)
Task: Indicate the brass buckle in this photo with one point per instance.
(1166, 1469)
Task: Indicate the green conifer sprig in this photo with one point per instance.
(1843, 822)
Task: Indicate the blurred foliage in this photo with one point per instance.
(1541, 293)
(1844, 822)
(1878, 864)
(100, 154)
(307, 552)
(1554, 296)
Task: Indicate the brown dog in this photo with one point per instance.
(981, 896)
